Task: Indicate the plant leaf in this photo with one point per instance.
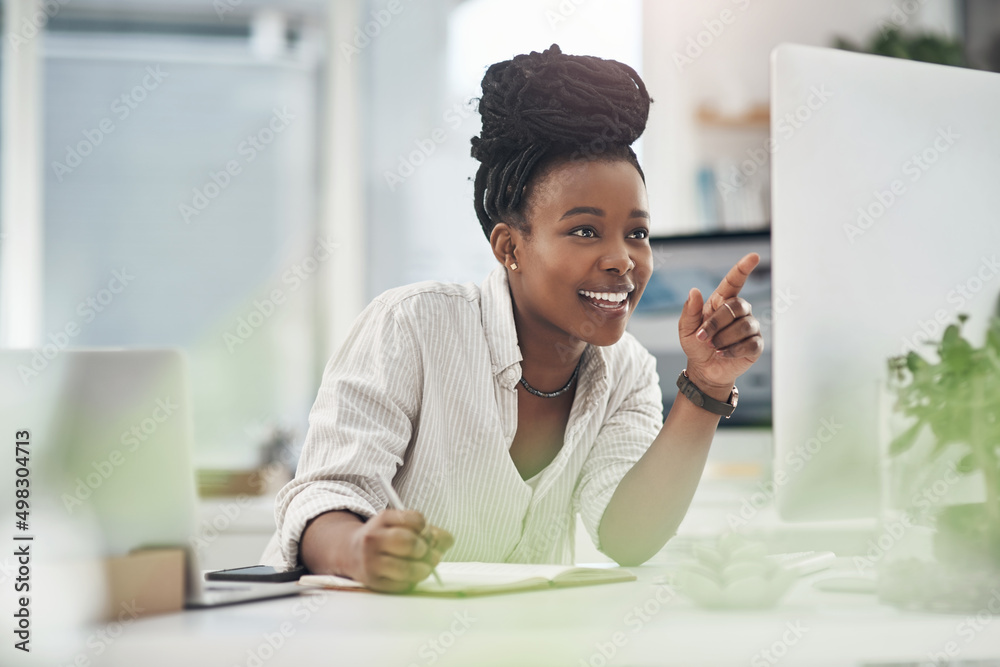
(905, 440)
(955, 351)
(967, 464)
(915, 362)
(993, 334)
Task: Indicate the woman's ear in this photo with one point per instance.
(503, 244)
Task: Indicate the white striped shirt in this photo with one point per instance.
(424, 391)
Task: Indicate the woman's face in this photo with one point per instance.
(587, 259)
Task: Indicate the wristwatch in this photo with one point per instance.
(704, 401)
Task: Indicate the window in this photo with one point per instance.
(179, 210)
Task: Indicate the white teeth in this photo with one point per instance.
(613, 297)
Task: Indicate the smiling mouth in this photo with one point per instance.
(605, 300)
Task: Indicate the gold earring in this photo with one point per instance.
(513, 266)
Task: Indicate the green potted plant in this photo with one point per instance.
(955, 400)
(924, 47)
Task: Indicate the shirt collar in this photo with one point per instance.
(501, 336)
(498, 324)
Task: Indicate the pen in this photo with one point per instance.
(396, 503)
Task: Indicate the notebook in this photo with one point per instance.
(469, 579)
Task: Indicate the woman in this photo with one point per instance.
(500, 411)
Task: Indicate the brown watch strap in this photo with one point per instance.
(703, 400)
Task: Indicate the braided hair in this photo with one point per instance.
(542, 108)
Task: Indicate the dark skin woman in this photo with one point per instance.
(577, 255)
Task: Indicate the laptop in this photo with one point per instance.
(111, 455)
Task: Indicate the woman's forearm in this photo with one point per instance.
(653, 497)
(326, 546)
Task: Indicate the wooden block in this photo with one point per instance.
(148, 581)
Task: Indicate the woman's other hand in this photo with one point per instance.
(396, 549)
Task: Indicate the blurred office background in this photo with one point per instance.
(240, 177)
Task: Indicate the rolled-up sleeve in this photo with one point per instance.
(622, 440)
(359, 426)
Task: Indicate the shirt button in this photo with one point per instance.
(510, 375)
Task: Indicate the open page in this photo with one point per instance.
(482, 578)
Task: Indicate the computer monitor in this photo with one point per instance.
(886, 226)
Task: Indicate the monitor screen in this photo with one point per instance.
(885, 209)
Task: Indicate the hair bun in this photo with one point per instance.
(555, 99)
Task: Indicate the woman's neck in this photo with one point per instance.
(548, 357)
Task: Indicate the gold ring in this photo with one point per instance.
(729, 309)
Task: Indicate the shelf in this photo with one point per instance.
(757, 117)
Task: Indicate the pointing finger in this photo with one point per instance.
(732, 283)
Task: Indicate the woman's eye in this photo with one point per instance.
(586, 233)
(642, 234)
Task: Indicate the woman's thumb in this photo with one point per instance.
(691, 317)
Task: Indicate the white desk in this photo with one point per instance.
(559, 627)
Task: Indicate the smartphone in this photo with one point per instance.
(256, 573)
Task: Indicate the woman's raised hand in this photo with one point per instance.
(720, 336)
